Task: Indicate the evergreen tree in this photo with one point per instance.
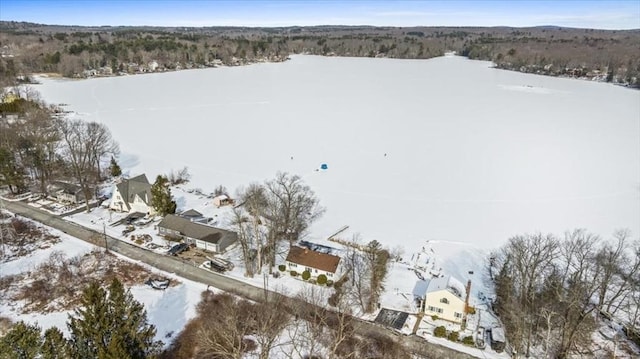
(114, 168)
(23, 341)
(90, 324)
(111, 324)
(161, 199)
(54, 346)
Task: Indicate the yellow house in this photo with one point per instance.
(444, 297)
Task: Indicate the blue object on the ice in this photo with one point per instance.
(324, 166)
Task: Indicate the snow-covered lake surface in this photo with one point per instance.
(446, 149)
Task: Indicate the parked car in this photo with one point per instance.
(178, 248)
(128, 229)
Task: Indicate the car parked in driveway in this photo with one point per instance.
(128, 229)
(178, 248)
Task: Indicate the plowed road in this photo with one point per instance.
(174, 265)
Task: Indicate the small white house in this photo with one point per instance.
(132, 195)
(303, 259)
(443, 297)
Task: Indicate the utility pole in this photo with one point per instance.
(265, 277)
(104, 233)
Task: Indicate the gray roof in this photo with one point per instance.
(131, 187)
(392, 318)
(196, 230)
(67, 187)
(191, 213)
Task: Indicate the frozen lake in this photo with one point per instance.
(473, 154)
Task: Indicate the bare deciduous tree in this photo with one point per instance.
(77, 147)
(102, 145)
(291, 208)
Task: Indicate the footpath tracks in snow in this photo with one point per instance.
(170, 264)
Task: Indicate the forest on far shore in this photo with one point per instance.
(77, 51)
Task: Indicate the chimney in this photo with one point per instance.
(466, 303)
(306, 250)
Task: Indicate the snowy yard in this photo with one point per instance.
(168, 310)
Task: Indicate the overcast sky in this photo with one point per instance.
(623, 14)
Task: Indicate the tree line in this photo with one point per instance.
(552, 291)
(546, 50)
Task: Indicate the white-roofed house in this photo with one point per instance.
(444, 297)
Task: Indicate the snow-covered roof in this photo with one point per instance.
(423, 287)
(191, 213)
(420, 289)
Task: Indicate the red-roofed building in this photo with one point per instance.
(317, 263)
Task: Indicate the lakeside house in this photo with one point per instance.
(304, 259)
(66, 192)
(206, 237)
(443, 297)
(132, 195)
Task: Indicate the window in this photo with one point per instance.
(444, 300)
(292, 265)
(315, 271)
(457, 315)
(329, 275)
(435, 309)
(307, 269)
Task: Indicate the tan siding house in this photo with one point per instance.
(444, 297)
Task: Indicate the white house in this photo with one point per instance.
(132, 195)
(303, 259)
(444, 297)
(209, 238)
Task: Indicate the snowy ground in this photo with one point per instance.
(168, 310)
(443, 149)
(445, 158)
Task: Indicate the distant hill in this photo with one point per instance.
(607, 55)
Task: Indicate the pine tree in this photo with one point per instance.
(23, 341)
(114, 168)
(161, 199)
(90, 324)
(54, 346)
(111, 324)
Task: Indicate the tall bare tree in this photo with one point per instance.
(290, 208)
(102, 145)
(77, 148)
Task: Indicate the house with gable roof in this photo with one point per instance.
(443, 296)
(304, 259)
(203, 236)
(132, 195)
(67, 192)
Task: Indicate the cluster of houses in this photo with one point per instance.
(151, 66)
(444, 297)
